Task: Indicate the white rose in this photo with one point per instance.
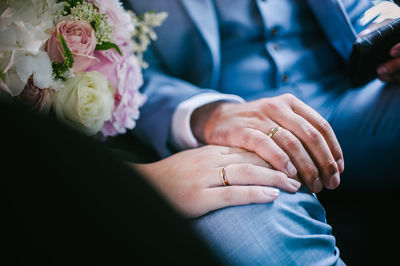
(86, 102)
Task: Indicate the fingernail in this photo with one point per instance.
(333, 181)
(340, 164)
(317, 185)
(271, 192)
(382, 70)
(291, 170)
(296, 184)
(395, 53)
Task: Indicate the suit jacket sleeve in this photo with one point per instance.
(164, 93)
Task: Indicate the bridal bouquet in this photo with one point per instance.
(78, 59)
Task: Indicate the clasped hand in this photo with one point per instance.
(305, 148)
(191, 182)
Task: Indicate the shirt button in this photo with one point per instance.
(274, 31)
(276, 47)
(285, 77)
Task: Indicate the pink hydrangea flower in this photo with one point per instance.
(124, 74)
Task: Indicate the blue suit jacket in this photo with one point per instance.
(185, 60)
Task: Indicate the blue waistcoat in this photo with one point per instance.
(252, 48)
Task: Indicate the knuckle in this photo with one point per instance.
(279, 178)
(325, 126)
(289, 97)
(279, 156)
(258, 142)
(337, 150)
(246, 137)
(309, 170)
(271, 106)
(245, 169)
(291, 142)
(330, 167)
(253, 143)
(312, 135)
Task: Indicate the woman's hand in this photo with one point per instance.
(305, 147)
(191, 180)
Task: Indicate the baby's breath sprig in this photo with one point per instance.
(144, 32)
(86, 11)
(69, 4)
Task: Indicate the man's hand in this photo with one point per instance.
(378, 15)
(304, 148)
(390, 70)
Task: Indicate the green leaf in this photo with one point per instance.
(108, 45)
(69, 59)
(60, 68)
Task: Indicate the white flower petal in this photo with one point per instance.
(15, 84)
(24, 65)
(39, 66)
(42, 71)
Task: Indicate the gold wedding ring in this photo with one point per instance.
(273, 131)
(223, 177)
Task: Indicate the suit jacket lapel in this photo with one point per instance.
(205, 19)
(336, 24)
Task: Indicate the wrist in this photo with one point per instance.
(147, 170)
(201, 120)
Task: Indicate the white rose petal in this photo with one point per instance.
(86, 102)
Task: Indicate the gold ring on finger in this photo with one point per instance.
(224, 178)
(273, 131)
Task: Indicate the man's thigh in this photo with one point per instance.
(290, 231)
(367, 124)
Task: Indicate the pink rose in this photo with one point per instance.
(124, 74)
(36, 99)
(80, 38)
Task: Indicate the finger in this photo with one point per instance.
(385, 78)
(305, 165)
(390, 67)
(393, 78)
(319, 150)
(245, 157)
(249, 174)
(323, 127)
(220, 197)
(256, 141)
(395, 51)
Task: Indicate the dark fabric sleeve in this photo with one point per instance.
(66, 200)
